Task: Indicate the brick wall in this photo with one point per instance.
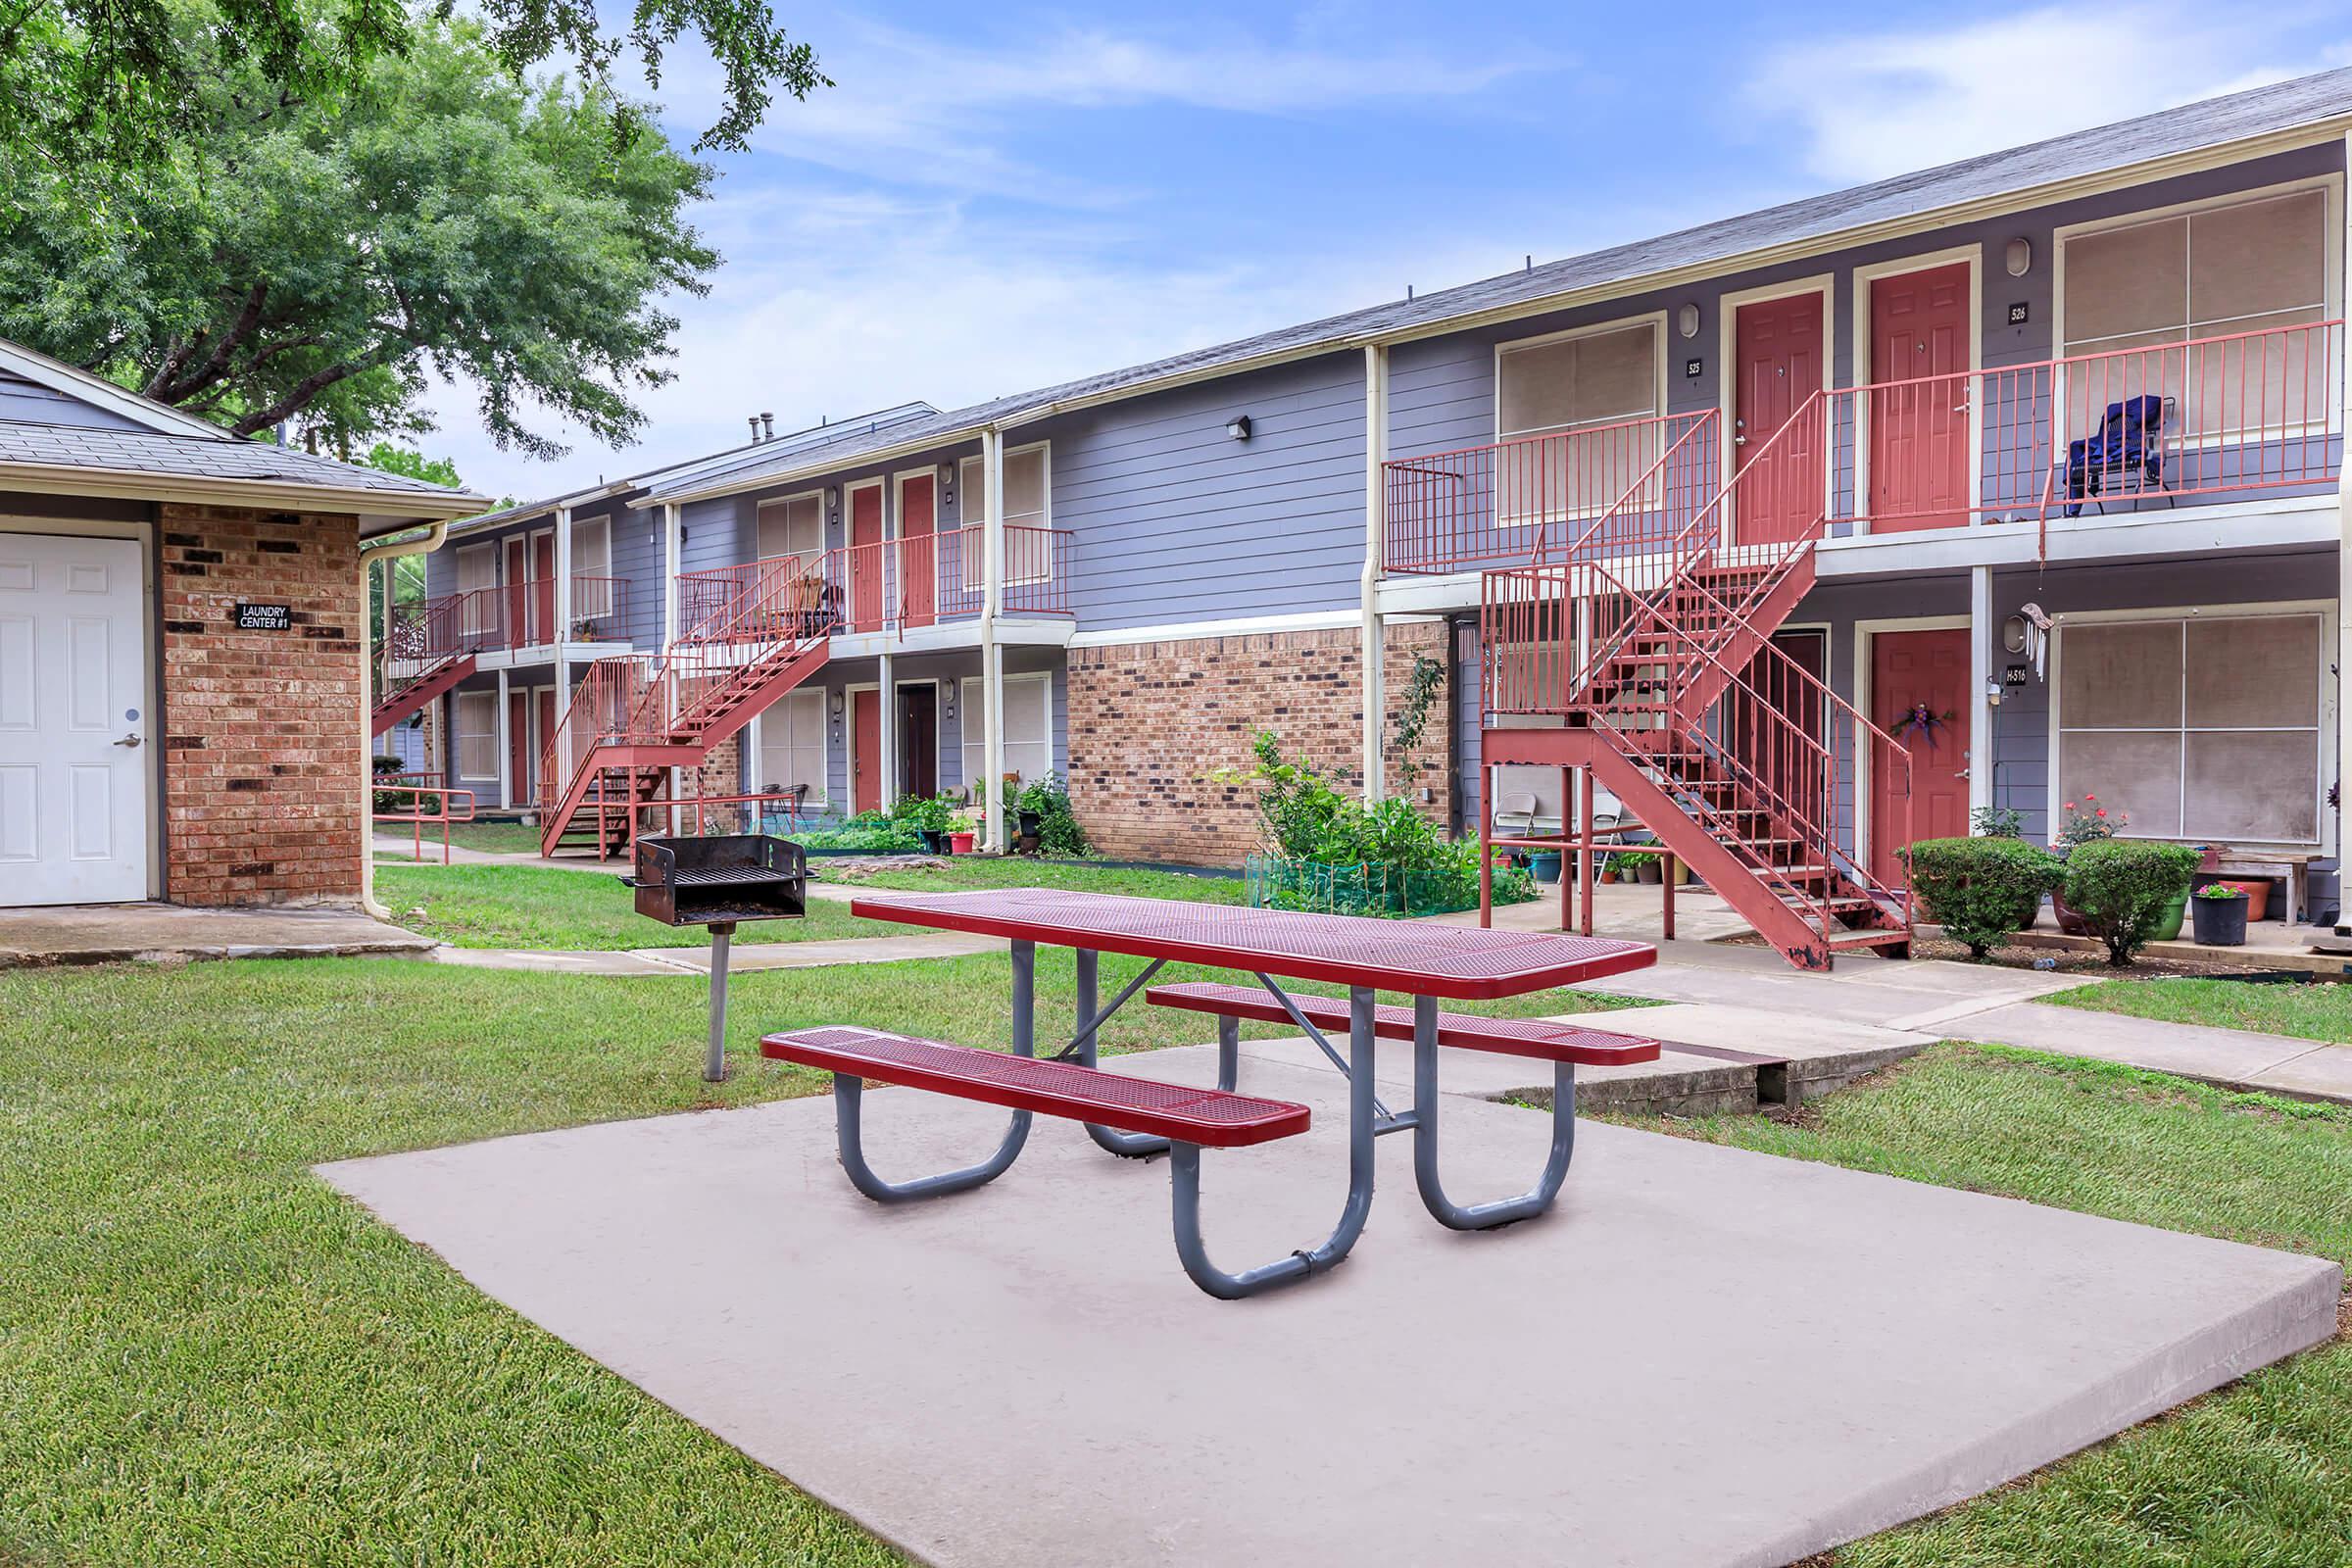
(1150, 722)
(262, 771)
(721, 770)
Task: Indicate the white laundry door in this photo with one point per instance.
(73, 724)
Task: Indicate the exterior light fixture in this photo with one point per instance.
(1238, 427)
(1688, 319)
(837, 705)
(2019, 257)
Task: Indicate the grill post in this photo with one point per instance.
(714, 1065)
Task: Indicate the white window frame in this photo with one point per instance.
(783, 504)
(820, 795)
(2332, 289)
(970, 701)
(460, 734)
(973, 572)
(1655, 321)
(2326, 612)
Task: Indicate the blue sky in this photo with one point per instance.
(995, 198)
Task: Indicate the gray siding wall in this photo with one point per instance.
(1442, 389)
(1174, 520)
(23, 402)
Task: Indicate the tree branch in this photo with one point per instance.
(299, 397)
(216, 368)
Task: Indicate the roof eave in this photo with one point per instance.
(763, 482)
(379, 511)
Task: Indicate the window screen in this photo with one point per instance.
(1028, 727)
(793, 526)
(1028, 553)
(2200, 728)
(1560, 410)
(477, 735)
(791, 744)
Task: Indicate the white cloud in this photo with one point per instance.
(837, 306)
(1880, 104)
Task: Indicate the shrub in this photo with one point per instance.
(1997, 822)
(1981, 890)
(2121, 886)
(1057, 829)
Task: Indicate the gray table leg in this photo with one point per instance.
(714, 1061)
(849, 1100)
(1127, 1146)
(1185, 1184)
(1502, 1211)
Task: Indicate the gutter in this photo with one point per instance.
(400, 509)
(369, 555)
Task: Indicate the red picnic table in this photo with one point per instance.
(1141, 1117)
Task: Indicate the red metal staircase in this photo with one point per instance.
(1647, 643)
(432, 647)
(636, 716)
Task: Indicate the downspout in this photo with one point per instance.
(1376, 453)
(991, 657)
(430, 541)
(2343, 577)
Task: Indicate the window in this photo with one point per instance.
(477, 735)
(1028, 548)
(478, 568)
(1561, 405)
(1028, 727)
(2200, 727)
(793, 527)
(592, 591)
(2135, 291)
(791, 744)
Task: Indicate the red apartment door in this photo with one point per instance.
(518, 575)
(1918, 671)
(547, 734)
(865, 749)
(1788, 767)
(866, 557)
(519, 756)
(917, 573)
(542, 625)
(1776, 367)
(1918, 412)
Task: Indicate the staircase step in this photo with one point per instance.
(1868, 939)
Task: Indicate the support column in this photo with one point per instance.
(1376, 455)
(558, 635)
(1980, 712)
(2343, 569)
(505, 748)
(992, 656)
(671, 544)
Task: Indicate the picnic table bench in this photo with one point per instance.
(1138, 1118)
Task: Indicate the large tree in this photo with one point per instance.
(103, 89)
(315, 262)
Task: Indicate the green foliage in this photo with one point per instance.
(925, 813)
(1982, 890)
(2122, 886)
(109, 95)
(412, 464)
(320, 262)
(1997, 822)
(2219, 891)
(2088, 823)
(1412, 719)
(1057, 829)
(866, 833)
(1626, 861)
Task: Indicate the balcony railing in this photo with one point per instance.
(513, 616)
(2231, 415)
(888, 586)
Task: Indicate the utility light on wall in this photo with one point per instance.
(2019, 257)
(1238, 427)
(1688, 319)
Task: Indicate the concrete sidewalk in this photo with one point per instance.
(1703, 1356)
(746, 957)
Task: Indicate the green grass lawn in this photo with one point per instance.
(208, 1357)
(2318, 1011)
(1021, 871)
(544, 906)
(2259, 1473)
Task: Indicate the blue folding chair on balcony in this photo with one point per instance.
(2125, 456)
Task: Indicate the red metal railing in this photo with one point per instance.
(895, 584)
(2234, 413)
(428, 803)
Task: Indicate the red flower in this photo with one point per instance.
(2069, 805)
(2101, 812)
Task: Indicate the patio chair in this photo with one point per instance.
(1514, 813)
(2125, 458)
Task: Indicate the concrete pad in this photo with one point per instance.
(170, 933)
(2321, 1074)
(2234, 1056)
(1022, 1375)
(1672, 1085)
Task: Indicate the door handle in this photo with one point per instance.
(132, 741)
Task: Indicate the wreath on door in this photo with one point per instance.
(1920, 720)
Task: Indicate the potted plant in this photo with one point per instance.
(2086, 823)
(930, 820)
(2220, 918)
(1546, 863)
(1609, 870)
(963, 823)
(1641, 864)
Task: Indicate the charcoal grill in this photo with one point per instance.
(719, 881)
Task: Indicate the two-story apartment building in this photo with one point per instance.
(2001, 484)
